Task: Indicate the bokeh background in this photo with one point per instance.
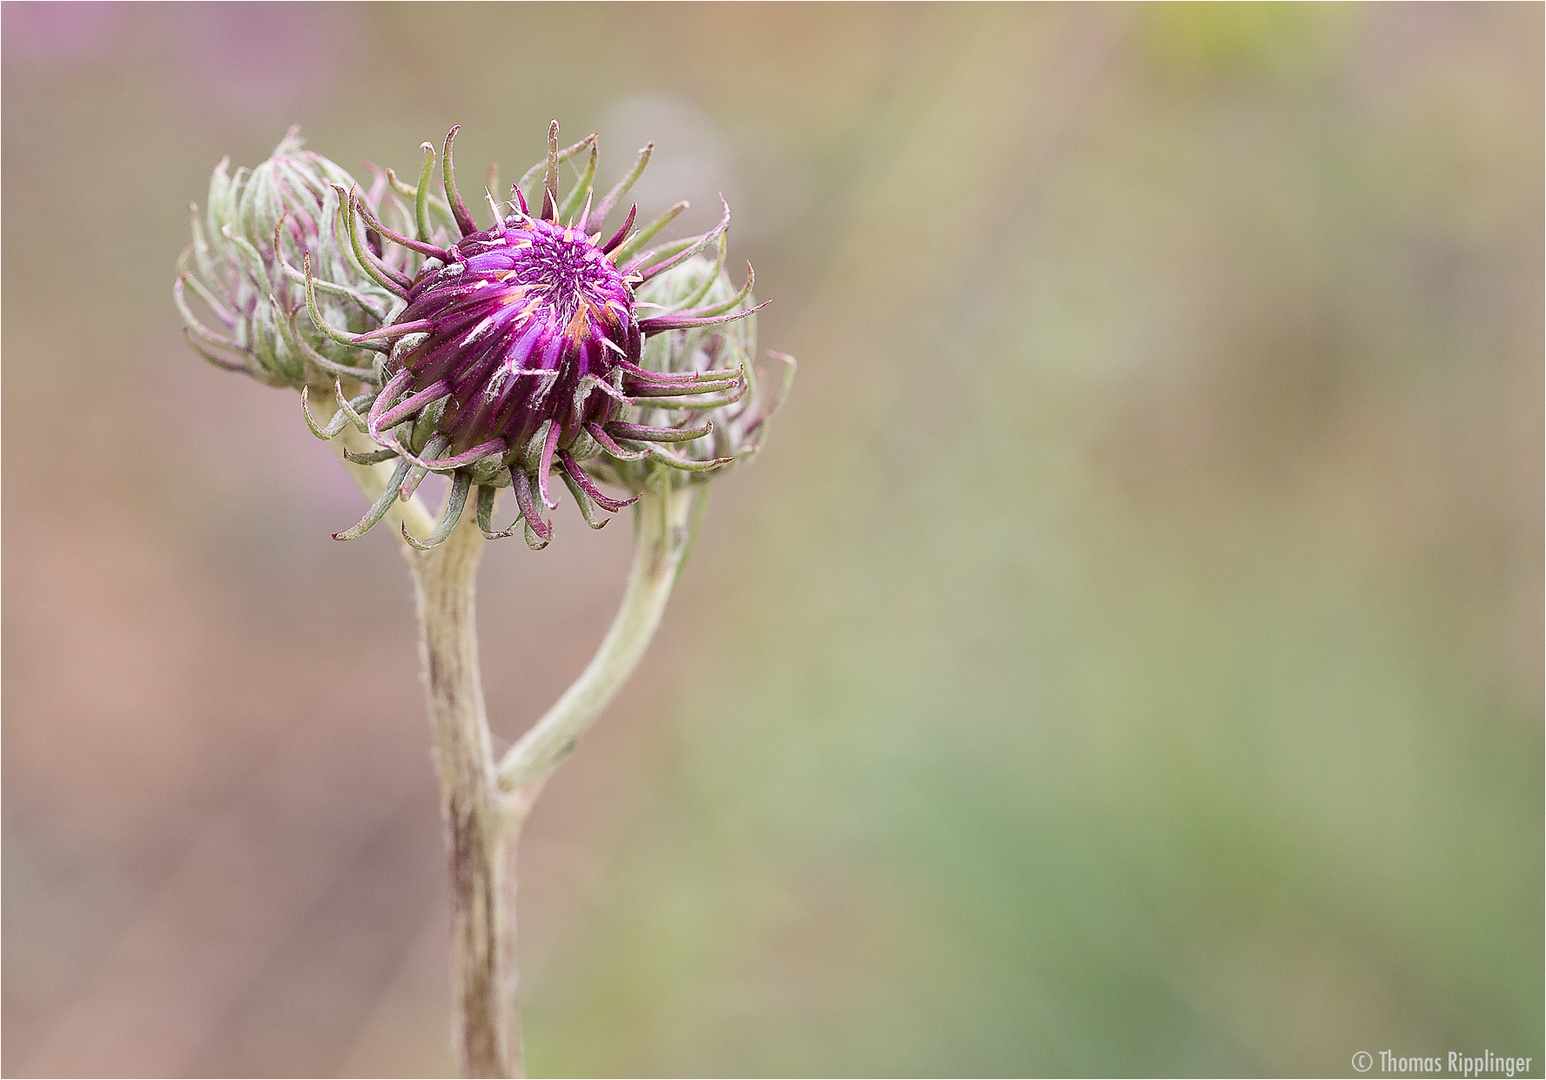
(1126, 657)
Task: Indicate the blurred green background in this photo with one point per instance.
(1125, 659)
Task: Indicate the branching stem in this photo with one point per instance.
(665, 525)
(484, 804)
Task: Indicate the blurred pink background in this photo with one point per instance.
(1126, 657)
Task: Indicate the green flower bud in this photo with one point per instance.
(259, 229)
(738, 416)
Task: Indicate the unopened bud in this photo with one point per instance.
(245, 268)
(739, 414)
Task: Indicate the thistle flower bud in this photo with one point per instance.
(516, 352)
(243, 266)
(738, 418)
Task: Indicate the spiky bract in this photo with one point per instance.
(738, 416)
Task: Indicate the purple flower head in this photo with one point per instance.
(517, 352)
(522, 315)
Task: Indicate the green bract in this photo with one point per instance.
(740, 415)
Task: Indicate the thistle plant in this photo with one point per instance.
(542, 346)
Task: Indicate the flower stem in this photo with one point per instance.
(665, 524)
(480, 835)
(483, 804)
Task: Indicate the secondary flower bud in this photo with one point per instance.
(243, 267)
(738, 417)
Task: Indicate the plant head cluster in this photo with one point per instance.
(500, 356)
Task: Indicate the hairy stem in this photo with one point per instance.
(665, 524)
(482, 804)
(480, 836)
